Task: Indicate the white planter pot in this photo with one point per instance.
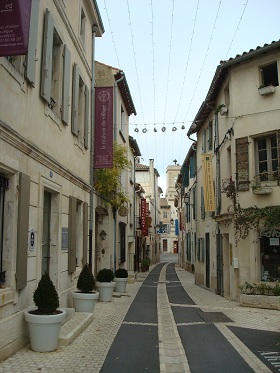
(44, 330)
(105, 290)
(84, 302)
(120, 284)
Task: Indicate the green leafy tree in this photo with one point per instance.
(108, 180)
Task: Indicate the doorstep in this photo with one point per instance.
(75, 324)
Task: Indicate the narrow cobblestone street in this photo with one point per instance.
(166, 320)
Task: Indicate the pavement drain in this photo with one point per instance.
(214, 317)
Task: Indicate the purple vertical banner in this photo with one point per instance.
(14, 27)
(103, 133)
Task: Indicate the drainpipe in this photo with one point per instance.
(115, 139)
(94, 30)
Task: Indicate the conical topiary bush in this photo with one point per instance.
(86, 281)
(45, 296)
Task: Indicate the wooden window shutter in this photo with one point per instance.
(242, 163)
(72, 229)
(278, 148)
(86, 117)
(22, 231)
(75, 100)
(85, 233)
(46, 78)
(32, 43)
(122, 242)
(66, 85)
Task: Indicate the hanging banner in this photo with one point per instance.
(14, 27)
(103, 130)
(143, 217)
(208, 182)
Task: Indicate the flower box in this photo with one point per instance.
(260, 301)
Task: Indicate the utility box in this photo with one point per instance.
(235, 262)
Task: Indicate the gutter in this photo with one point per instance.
(90, 256)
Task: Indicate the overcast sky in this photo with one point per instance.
(169, 51)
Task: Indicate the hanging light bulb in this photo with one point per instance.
(183, 127)
(155, 130)
(136, 130)
(144, 130)
(174, 129)
(163, 129)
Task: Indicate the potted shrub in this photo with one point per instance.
(105, 284)
(145, 264)
(84, 299)
(121, 277)
(45, 321)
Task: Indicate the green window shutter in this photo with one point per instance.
(46, 78)
(186, 178)
(66, 85)
(194, 202)
(202, 204)
(192, 166)
(202, 249)
(22, 231)
(86, 117)
(210, 137)
(75, 99)
(32, 43)
(72, 229)
(85, 233)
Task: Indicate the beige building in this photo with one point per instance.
(45, 132)
(118, 249)
(238, 151)
(147, 177)
(169, 237)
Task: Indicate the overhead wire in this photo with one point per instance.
(135, 61)
(112, 35)
(237, 28)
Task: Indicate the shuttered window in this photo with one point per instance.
(72, 229)
(85, 233)
(4, 184)
(56, 68)
(242, 164)
(22, 231)
(80, 107)
(32, 54)
(202, 204)
(66, 85)
(122, 243)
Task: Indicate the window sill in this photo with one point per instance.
(6, 296)
(268, 90)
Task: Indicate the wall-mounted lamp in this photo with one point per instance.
(103, 235)
(171, 221)
(186, 199)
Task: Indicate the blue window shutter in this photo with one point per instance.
(86, 117)
(46, 79)
(186, 176)
(75, 100)
(192, 166)
(66, 85)
(32, 43)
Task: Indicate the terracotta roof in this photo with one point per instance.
(219, 76)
